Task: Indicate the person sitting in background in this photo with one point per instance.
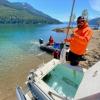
(41, 41)
(79, 41)
(51, 41)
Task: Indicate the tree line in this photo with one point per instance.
(19, 20)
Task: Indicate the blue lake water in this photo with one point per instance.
(18, 45)
(21, 36)
(18, 40)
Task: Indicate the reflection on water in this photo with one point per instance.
(18, 47)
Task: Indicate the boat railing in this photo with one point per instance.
(37, 92)
(52, 93)
(20, 94)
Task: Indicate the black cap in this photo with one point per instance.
(82, 18)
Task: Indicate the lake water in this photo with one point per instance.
(18, 46)
(17, 40)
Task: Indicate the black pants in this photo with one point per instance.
(73, 58)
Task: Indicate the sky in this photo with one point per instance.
(60, 9)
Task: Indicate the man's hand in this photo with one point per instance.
(67, 40)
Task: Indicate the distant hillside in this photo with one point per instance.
(94, 21)
(22, 13)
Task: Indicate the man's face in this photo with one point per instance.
(80, 23)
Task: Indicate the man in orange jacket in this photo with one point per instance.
(79, 41)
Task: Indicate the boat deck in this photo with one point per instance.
(43, 70)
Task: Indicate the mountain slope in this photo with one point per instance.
(94, 21)
(22, 13)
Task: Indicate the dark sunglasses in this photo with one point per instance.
(80, 21)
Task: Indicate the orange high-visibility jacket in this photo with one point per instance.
(79, 42)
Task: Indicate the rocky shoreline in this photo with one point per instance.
(62, 29)
(93, 53)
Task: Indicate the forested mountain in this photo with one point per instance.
(94, 21)
(22, 13)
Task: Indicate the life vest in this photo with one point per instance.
(79, 42)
